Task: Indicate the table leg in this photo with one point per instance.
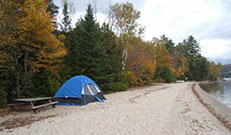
(32, 105)
(53, 104)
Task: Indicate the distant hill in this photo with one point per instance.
(226, 72)
(227, 67)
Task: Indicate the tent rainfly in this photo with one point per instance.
(79, 90)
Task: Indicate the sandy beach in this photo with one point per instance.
(161, 110)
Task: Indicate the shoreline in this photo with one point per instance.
(219, 110)
(211, 83)
(169, 109)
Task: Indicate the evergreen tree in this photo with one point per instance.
(66, 21)
(70, 60)
(52, 8)
(167, 75)
(70, 37)
(198, 68)
(114, 51)
(87, 54)
(192, 47)
(168, 43)
(54, 11)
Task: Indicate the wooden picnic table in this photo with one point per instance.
(34, 103)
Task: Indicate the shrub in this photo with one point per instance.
(133, 80)
(167, 75)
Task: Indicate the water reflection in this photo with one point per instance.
(219, 90)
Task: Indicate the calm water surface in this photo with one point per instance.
(220, 91)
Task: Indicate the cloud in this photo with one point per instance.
(99, 18)
(101, 5)
(180, 18)
(217, 49)
(207, 20)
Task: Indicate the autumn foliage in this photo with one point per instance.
(141, 67)
(38, 39)
(28, 46)
(147, 58)
(36, 58)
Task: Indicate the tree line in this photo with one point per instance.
(37, 56)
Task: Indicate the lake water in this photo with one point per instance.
(220, 90)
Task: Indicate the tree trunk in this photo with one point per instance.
(17, 77)
(125, 55)
(25, 70)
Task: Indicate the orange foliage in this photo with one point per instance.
(36, 34)
(179, 72)
(160, 55)
(133, 80)
(138, 62)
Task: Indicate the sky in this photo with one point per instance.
(209, 21)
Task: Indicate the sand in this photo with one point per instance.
(161, 110)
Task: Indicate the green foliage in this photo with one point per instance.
(214, 71)
(52, 8)
(167, 75)
(66, 21)
(192, 48)
(168, 43)
(3, 97)
(41, 84)
(4, 82)
(198, 67)
(114, 52)
(87, 53)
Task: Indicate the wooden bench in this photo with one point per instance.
(35, 108)
(32, 103)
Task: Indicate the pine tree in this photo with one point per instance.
(198, 67)
(87, 54)
(167, 75)
(66, 21)
(70, 36)
(168, 43)
(52, 8)
(114, 51)
(192, 47)
(54, 11)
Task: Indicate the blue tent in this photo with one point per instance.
(79, 90)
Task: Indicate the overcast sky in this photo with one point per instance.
(209, 21)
